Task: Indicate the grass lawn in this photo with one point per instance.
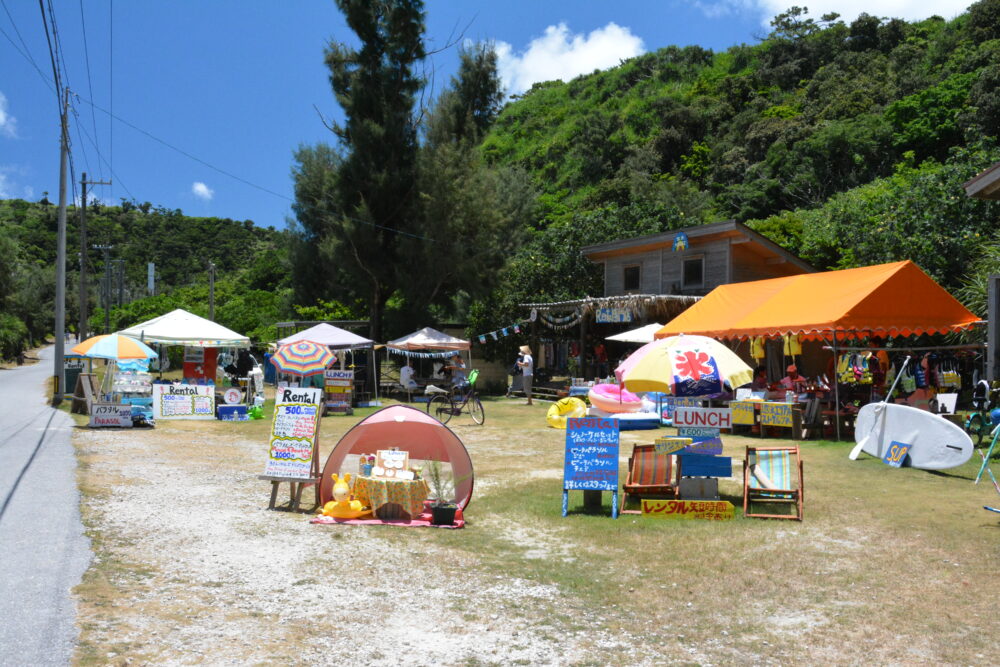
(889, 566)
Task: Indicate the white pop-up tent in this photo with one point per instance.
(640, 335)
(179, 327)
(427, 339)
(330, 336)
(336, 339)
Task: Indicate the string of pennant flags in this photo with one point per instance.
(512, 330)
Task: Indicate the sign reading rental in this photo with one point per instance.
(703, 417)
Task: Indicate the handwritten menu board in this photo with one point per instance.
(743, 412)
(711, 510)
(293, 432)
(591, 462)
(183, 401)
(110, 414)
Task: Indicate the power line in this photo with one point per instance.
(106, 163)
(52, 56)
(26, 53)
(90, 85)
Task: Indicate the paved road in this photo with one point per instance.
(43, 551)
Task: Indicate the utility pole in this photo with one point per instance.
(211, 291)
(106, 286)
(121, 283)
(84, 296)
(60, 324)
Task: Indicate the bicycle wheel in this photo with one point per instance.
(441, 407)
(476, 410)
(976, 429)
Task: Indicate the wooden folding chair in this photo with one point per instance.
(769, 476)
(649, 476)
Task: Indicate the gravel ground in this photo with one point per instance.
(201, 573)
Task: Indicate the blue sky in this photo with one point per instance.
(214, 96)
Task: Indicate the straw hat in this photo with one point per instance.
(792, 369)
(525, 349)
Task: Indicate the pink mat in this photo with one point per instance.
(423, 521)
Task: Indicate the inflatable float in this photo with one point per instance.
(612, 398)
(563, 409)
(629, 421)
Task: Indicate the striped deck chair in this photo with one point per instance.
(649, 476)
(773, 476)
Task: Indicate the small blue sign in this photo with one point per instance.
(896, 454)
(680, 242)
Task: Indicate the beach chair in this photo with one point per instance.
(650, 475)
(773, 476)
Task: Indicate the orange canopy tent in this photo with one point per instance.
(896, 299)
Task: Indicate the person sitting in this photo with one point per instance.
(458, 377)
(793, 381)
(759, 380)
(406, 378)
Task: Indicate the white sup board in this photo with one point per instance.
(935, 443)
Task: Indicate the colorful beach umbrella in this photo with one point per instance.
(302, 358)
(113, 346)
(683, 366)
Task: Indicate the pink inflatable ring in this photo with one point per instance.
(612, 398)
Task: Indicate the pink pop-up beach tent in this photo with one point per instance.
(409, 429)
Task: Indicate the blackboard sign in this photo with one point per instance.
(292, 449)
(591, 462)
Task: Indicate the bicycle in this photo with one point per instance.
(446, 406)
(982, 421)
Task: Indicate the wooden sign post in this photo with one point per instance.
(591, 462)
(293, 454)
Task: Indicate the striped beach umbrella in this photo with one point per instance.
(113, 346)
(302, 358)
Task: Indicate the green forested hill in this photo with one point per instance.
(248, 260)
(847, 143)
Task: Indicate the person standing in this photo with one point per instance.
(527, 364)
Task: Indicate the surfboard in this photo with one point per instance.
(935, 443)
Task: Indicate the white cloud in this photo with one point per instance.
(910, 10)
(8, 124)
(202, 191)
(560, 55)
(6, 191)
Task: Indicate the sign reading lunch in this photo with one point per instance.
(703, 417)
(183, 401)
(293, 432)
(591, 454)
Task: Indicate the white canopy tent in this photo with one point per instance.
(179, 327)
(428, 339)
(640, 335)
(329, 335)
(336, 339)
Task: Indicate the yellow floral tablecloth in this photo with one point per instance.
(376, 492)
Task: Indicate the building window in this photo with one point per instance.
(632, 277)
(694, 272)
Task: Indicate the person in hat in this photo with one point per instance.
(527, 364)
(458, 375)
(793, 380)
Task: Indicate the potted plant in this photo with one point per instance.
(442, 487)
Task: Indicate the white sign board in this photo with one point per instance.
(110, 414)
(183, 401)
(703, 417)
(293, 432)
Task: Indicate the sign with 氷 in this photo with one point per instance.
(183, 401)
(712, 510)
(591, 458)
(293, 433)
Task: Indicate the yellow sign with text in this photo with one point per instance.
(776, 414)
(709, 510)
(671, 445)
(742, 412)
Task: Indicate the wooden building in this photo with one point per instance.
(692, 261)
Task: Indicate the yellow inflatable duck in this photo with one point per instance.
(342, 507)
